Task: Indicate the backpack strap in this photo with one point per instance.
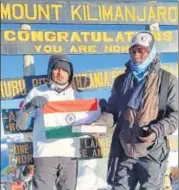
(163, 93)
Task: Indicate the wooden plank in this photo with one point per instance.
(89, 12)
(14, 42)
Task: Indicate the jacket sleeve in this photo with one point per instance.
(24, 119)
(169, 123)
(106, 119)
(112, 104)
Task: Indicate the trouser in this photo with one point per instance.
(148, 173)
(57, 173)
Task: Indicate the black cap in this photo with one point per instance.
(63, 65)
(60, 61)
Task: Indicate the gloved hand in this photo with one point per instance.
(149, 135)
(36, 102)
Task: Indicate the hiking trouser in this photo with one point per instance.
(149, 174)
(57, 173)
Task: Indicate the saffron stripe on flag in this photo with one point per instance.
(71, 106)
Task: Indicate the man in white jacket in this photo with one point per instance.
(55, 160)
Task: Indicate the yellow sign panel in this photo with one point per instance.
(95, 147)
(11, 88)
(78, 42)
(88, 12)
(21, 154)
(92, 80)
(9, 117)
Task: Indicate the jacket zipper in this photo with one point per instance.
(132, 141)
(132, 147)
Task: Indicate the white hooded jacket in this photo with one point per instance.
(42, 147)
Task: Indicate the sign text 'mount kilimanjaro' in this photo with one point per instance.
(88, 12)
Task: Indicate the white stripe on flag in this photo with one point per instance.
(89, 129)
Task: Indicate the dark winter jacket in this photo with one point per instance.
(162, 127)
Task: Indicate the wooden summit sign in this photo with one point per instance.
(9, 117)
(88, 12)
(91, 148)
(91, 80)
(19, 87)
(21, 154)
(14, 42)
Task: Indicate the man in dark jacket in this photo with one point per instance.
(139, 148)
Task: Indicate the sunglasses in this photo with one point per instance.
(138, 50)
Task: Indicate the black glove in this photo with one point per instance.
(36, 102)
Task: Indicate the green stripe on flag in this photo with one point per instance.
(61, 132)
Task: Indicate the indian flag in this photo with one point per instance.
(60, 116)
